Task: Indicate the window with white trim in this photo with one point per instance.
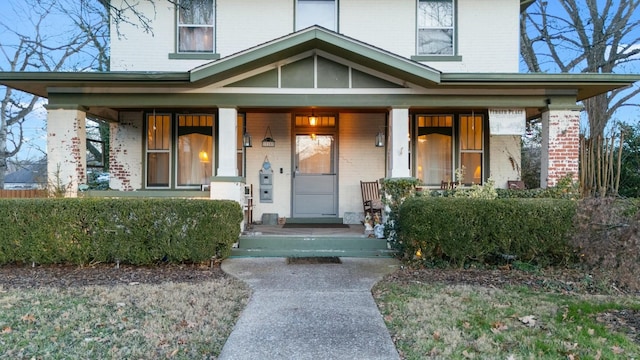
(436, 33)
(316, 12)
(196, 21)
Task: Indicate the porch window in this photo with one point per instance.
(196, 26)
(316, 12)
(195, 147)
(158, 150)
(434, 148)
(435, 35)
(179, 150)
(471, 148)
(447, 142)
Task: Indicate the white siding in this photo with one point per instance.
(487, 32)
(359, 159)
(279, 157)
(505, 159)
(247, 23)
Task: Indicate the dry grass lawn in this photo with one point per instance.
(133, 321)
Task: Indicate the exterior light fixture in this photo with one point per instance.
(312, 120)
(246, 140)
(268, 140)
(380, 139)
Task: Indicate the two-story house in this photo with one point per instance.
(303, 99)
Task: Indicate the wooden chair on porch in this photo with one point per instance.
(371, 202)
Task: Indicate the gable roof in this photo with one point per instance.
(316, 38)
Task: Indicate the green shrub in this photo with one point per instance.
(463, 230)
(133, 231)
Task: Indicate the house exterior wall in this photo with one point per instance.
(126, 152)
(279, 157)
(505, 159)
(487, 32)
(66, 150)
(356, 142)
(560, 146)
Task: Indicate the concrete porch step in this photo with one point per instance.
(310, 246)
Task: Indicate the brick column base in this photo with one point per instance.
(560, 146)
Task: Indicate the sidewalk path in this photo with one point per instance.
(305, 311)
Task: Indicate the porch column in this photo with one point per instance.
(398, 143)
(66, 150)
(560, 146)
(227, 185)
(126, 144)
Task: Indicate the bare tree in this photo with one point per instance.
(43, 46)
(585, 36)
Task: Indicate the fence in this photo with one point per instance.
(23, 194)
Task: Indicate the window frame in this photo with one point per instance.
(454, 28)
(198, 55)
(173, 148)
(336, 18)
(456, 143)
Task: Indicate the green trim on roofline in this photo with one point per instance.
(138, 101)
(436, 58)
(313, 38)
(447, 78)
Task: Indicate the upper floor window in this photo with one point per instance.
(435, 27)
(316, 12)
(196, 26)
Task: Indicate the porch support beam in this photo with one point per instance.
(227, 142)
(560, 146)
(399, 143)
(66, 150)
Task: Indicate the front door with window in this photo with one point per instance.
(315, 181)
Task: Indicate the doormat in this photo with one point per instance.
(313, 260)
(316, 226)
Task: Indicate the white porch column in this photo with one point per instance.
(66, 150)
(560, 146)
(398, 143)
(227, 142)
(227, 185)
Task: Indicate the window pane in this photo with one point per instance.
(158, 169)
(194, 159)
(316, 12)
(435, 41)
(315, 154)
(192, 12)
(470, 132)
(195, 39)
(158, 132)
(435, 13)
(472, 164)
(434, 158)
(195, 144)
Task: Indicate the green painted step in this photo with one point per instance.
(305, 246)
(315, 220)
(311, 243)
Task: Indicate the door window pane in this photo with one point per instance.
(316, 12)
(435, 27)
(158, 169)
(158, 149)
(315, 154)
(472, 165)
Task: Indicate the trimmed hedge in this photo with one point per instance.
(459, 230)
(132, 231)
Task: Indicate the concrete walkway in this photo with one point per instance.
(304, 311)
